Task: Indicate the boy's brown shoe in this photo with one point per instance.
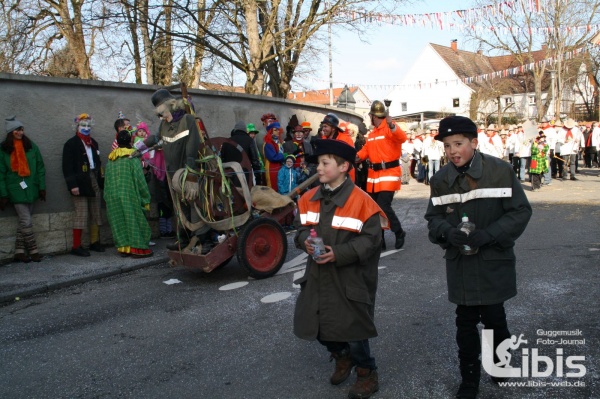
(343, 366)
(367, 383)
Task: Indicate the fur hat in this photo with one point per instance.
(160, 96)
(451, 125)
(11, 123)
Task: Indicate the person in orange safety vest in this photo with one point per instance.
(383, 149)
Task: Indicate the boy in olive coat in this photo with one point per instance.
(336, 304)
(487, 190)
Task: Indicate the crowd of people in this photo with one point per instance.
(553, 152)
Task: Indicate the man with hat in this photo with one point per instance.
(572, 142)
(306, 129)
(433, 150)
(492, 143)
(266, 120)
(383, 149)
(331, 129)
(486, 190)
(258, 175)
(324, 309)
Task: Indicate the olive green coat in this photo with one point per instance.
(337, 300)
(490, 194)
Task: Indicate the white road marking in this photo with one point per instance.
(297, 275)
(390, 252)
(233, 286)
(381, 267)
(278, 296)
(172, 281)
(594, 249)
(298, 260)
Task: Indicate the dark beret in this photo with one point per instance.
(455, 125)
(334, 147)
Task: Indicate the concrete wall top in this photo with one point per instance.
(47, 107)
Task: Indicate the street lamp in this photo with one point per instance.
(387, 102)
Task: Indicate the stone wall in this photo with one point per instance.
(47, 107)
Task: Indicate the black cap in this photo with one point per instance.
(160, 96)
(331, 120)
(333, 147)
(451, 125)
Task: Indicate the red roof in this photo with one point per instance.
(319, 96)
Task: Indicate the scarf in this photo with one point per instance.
(18, 160)
(87, 140)
(569, 135)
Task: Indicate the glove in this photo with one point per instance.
(479, 238)
(191, 190)
(456, 237)
(42, 195)
(3, 203)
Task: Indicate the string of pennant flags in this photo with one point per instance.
(457, 19)
(472, 79)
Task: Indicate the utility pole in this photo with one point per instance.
(330, 66)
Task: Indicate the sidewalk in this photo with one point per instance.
(18, 280)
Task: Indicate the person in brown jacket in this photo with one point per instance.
(336, 304)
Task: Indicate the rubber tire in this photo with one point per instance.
(269, 235)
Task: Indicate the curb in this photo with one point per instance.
(75, 280)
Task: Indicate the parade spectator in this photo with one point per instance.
(538, 165)
(22, 182)
(479, 283)
(83, 174)
(591, 137)
(121, 123)
(288, 176)
(491, 144)
(523, 151)
(331, 129)
(266, 120)
(416, 155)
(405, 158)
(383, 149)
(433, 150)
(571, 141)
(274, 157)
(240, 136)
(362, 168)
(325, 310)
(127, 196)
(306, 129)
(556, 163)
(258, 174)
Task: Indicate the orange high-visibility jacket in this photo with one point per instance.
(383, 146)
(356, 211)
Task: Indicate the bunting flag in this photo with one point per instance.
(455, 82)
(458, 19)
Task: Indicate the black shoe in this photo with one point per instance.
(176, 245)
(467, 390)
(574, 178)
(96, 247)
(80, 251)
(400, 239)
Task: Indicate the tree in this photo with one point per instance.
(522, 30)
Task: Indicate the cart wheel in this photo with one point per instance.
(262, 247)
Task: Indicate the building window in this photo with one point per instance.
(404, 107)
(531, 99)
(456, 102)
(509, 101)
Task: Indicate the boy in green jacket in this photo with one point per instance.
(487, 190)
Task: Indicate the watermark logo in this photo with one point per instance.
(533, 364)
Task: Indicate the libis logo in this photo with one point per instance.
(533, 364)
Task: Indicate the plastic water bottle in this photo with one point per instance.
(468, 228)
(317, 243)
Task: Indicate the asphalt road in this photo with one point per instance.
(134, 336)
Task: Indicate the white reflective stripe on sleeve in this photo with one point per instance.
(375, 138)
(346, 223)
(383, 178)
(505, 192)
(309, 217)
(176, 137)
